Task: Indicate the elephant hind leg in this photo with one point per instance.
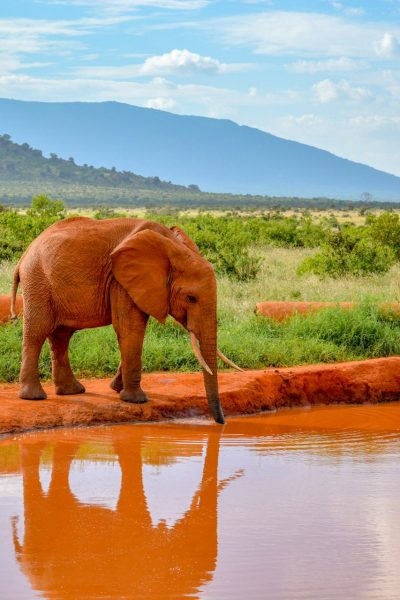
(63, 377)
(30, 386)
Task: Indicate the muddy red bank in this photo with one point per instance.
(181, 395)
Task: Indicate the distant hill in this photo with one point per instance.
(218, 155)
(23, 163)
(25, 172)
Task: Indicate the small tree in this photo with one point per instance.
(366, 197)
(43, 206)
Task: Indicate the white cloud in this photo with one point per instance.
(32, 36)
(388, 46)
(188, 97)
(183, 62)
(332, 64)
(161, 103)
(176, 62)
(54, 28)
(304, 122)
(372, 122)
(20, 37)
(327, 91)
(355, 11)
(348, 10)
(298, 33)
(123, 6)
(265, 2)
(11, 64)
(392, 83)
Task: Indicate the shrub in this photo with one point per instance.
(286, 232)
(17, 230)
(347, 252)
(239, 265)
(385, 229)
(107, 212)
(224, 241)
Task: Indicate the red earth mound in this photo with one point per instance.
(5, 302)
(182, 395)
(279, 311)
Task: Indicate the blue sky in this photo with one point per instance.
(322, 72)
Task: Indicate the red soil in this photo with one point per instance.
(5, 308)
(182, 395)
(279, 311)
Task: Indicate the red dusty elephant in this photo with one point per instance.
(83, 273)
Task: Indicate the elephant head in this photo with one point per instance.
(164, 273)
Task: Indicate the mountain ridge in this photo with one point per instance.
(216, 154)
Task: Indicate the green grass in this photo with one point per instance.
(6, 277)
(252, 342)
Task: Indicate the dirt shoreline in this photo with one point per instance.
(182, 395)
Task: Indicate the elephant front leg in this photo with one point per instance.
(117, 384)
(130, 329)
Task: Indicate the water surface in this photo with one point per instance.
(303, 504)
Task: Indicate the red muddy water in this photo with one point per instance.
(300, 504)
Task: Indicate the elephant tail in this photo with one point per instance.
(16, 281)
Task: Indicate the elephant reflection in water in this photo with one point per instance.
(72, 550)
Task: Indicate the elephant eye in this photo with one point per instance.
(191, 299)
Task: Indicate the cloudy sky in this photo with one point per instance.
(322, 72)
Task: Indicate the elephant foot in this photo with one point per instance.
(116, 384)
(136, 397)
(72, 387)
(32, 392)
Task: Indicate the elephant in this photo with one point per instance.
(75, 550)
(82, 273)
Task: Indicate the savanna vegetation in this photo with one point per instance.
(268, 255)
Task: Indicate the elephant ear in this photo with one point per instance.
(141, 265)
(184, 238)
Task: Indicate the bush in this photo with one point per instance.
(106, 212)
(241, 265)
(347, 252)
(225, 242)
(17, 230)
(385, 229)
(286, 232)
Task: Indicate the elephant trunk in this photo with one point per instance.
(208, 347)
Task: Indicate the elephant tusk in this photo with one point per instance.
(227, 361)
(195, 345)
